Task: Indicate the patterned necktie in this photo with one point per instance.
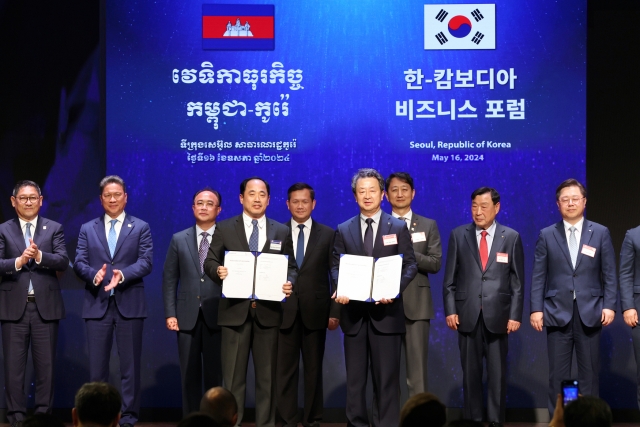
(484, 250)
(27, 237)
(405, 221)
(573, 246)
(112, 239)
(253, 240)
(368, 238)
(204, 248)
(300, 248)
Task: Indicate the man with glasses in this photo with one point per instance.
(32, 253)
(191, 301)
(573, 290)
(114, 254)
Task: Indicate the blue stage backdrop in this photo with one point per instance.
(458, 95)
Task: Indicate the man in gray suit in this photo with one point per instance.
(483, 298)
(418, 305)
(191, 301)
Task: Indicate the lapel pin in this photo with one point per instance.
(44, 227)
(414, 224)
(413, 229)
(129, 225)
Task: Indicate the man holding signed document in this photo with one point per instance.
(250, 312)
(373, 262)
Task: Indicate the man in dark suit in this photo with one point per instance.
(32, 252)
(192, 308)
(418, 305)
(630, 291)
(573, 290)
(114, 254)
(250, 325)
(483, 297)
(306, 311)
(373, 332)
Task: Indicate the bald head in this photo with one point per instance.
(220, 404)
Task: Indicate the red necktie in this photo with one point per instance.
(484, 252)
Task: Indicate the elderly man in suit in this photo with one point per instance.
(373, 332)
(418, 305)
(630, 291)
(114, 254)
(191, 301)
(32, 252)
(306, 312)
(483, 297)
(250, 325)
(573, 290)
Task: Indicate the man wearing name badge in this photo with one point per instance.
(114, 254)
(32, 253)
(573, 290)
(630, 292)
(418, 305)
(483, 292)
(306, 313)
(250, 325)
(191, 301)
(373, 331)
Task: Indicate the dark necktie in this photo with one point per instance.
(204, 248)
(484, 252)
(368, 238)
(300, 248)
(253, 240)
(404, 220)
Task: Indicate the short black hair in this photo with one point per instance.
(42, 420)
(202, 190)
(495, 196)
(366, 173)
(198, 419)
(219, 403)
(25, 183)
(301, 186)
(571, 182)
(402, 176)
(243, 184)
(112, 179)
(423, 410)
(588, 411)
(97, 403)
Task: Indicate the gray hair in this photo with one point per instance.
(366, 173)
(112, 179)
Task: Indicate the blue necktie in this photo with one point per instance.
(27, 237)
(112, 239)
(253, 240)
(300, 248)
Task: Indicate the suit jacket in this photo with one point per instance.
(554, 278)
(498, 290)
(630, 271)
(418, 304)
(386, 318)
(230, 235)
(196, 290)
(49, 237)
(312, 293)
(133, 256)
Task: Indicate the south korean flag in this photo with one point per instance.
(459, 26)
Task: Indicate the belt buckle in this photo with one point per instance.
(253, 304)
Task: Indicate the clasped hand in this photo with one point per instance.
(115, 280)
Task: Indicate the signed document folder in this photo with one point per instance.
(255, 275)
(363, 278)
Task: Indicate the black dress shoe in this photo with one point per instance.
(495, 424)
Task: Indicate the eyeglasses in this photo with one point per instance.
(573, 200)
(201, 203)
(25, 199)
(108, 196)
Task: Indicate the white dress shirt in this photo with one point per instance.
(116, 227)
(491, 231)
(374, 224)
(199, 232)
(262, 230)
(407, 218)
(295, 231)
(578, 231)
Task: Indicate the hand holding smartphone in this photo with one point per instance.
(570, 391)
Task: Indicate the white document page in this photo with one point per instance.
(386, 277)
(354, 278)
(271, 274)
(239, 281)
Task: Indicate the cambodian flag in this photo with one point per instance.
(238, 27)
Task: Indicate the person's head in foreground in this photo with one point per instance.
(423, 410)
(588, 411)
(219, 403)
(96, 405)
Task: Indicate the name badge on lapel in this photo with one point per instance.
(276, 245)
(418, 237)
(390, 239)
(588, 250)
(502, 257)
